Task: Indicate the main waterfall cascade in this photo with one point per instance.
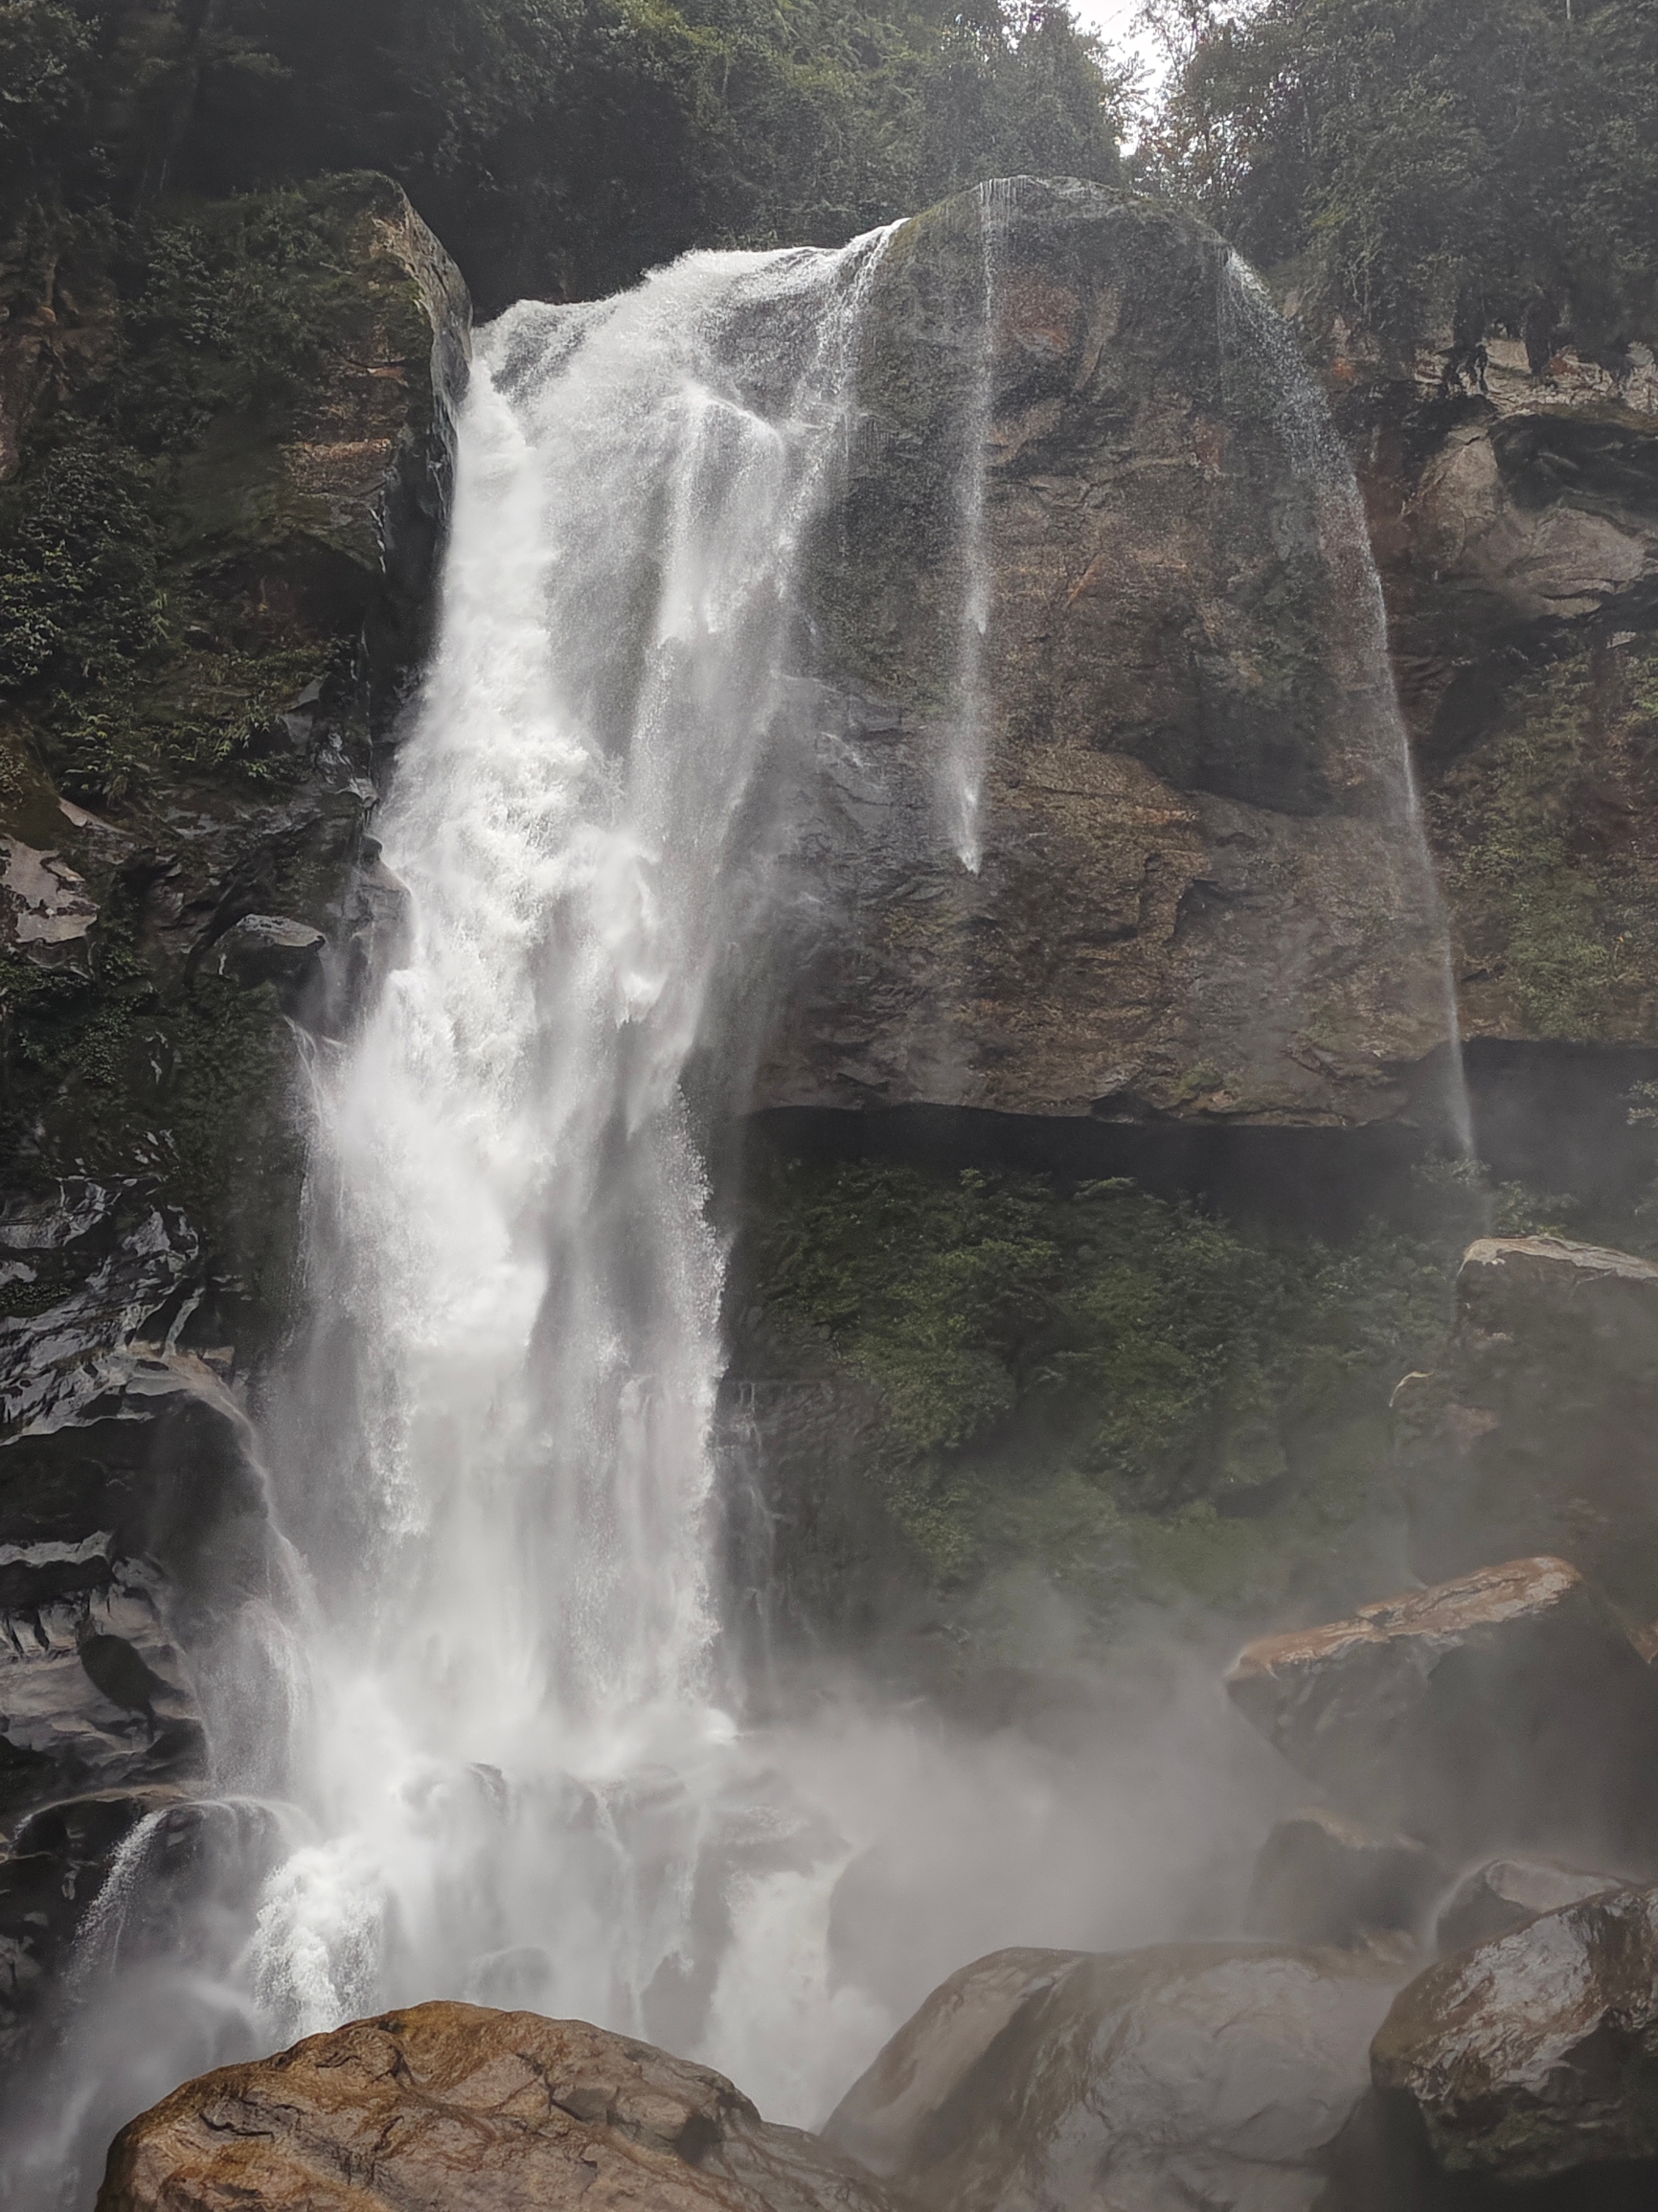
(516, 1206)
(497, 1758)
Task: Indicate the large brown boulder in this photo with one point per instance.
(1508, 1707)
(1199, 894)
(1538, 1430)
(1219, 2074)
(1532, 2060)
(451, 2107)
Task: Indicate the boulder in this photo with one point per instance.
(1320, 1878)
(451, 2107)
(1503, 1709)
(1210, 2073)
(1538, 1431)
(1505, 1893)
(266, 949)
(1190, 815)
(1532, 2060)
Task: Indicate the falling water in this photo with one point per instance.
(1378, 742)
(514, 1773)
(962, 766)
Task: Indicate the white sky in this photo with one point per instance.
(1114, 19)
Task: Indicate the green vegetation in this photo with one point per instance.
(1422, 165)
(562, 146)
(1124, 1392)
(128, 630)
(1534, 824)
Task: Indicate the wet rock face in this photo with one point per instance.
(155, 953)
(1532, 2060)
(448, 2107)
(1192, 813)
(1503, 1709)
(1320, 1878)
(132, 1529)
(1539, 1431)
(1213, 2074)
(1496, 1898)
(1516, 521)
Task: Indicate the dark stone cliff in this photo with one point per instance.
(191, 896)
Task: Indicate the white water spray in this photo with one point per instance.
(514, 1193)
(966, 756)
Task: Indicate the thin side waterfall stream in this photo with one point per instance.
(484, 1741)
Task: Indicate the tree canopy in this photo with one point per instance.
(562, 146)
(1431, 165)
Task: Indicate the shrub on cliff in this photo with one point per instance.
(1070, 1375)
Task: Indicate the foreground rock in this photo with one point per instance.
(1538, 1431)
(1320, 1878)
(1504, 1709)
(1213, 2074)
(1532, 2061)
(449, 2108)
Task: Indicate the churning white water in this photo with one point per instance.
(516, 1757)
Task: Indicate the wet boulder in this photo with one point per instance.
(1536, 1432)
(1531, 2063)
(1219, 2074)
(1507, 1708)
(450, 2107)
(1504, 1894)
(1320, 1878)
(266, 949)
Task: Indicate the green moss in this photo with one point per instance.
(1125, 1392)
(1550, 899)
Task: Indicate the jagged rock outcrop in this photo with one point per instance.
(1219, 2074)
(1514, 517)
(152, 949)
(1538, 1430)
(1530, 2062)
(446, 2105)
(1503, 1709)
(1200, 894)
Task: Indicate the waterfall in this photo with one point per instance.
(963, 764)
(1377, 746)
(515, 1710)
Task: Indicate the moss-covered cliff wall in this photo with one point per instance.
(226, 439)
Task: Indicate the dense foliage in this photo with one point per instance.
(1105, 1383)
(1445, 164)
(560, 146)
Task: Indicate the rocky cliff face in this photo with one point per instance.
(189, 891)
(1515, 520)
(1201, 893)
